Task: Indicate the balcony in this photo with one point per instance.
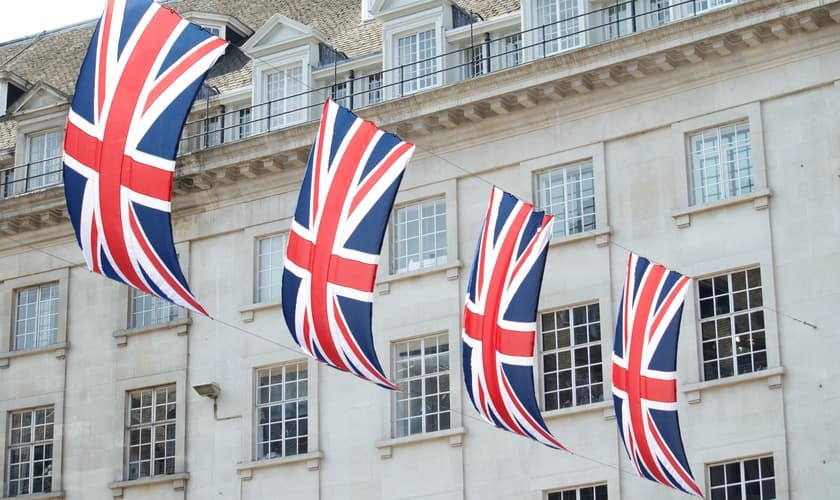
(30, 177)
(484, 56)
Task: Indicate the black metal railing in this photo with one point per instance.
(481, 57)
(29, 177)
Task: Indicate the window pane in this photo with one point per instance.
(568, 194)
(572, 372)
(282, 401)
(418, 238)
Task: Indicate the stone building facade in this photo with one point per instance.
(701, 134)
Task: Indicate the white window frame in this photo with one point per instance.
(708, 5)
(269, 64)
(721, 170)
(709, 328)
(534, 35)
(405, 26)
(43, 313)
(47, 428)
(680, 132)
(152, 425)
(160, 311)
(595, 390)
(742, 482)
(284, 387)
(576, 491)
(565, 225)
(292, 98)
(428, 401)
(249, 287)
(259, 270)
(419, 70)
(398, 219)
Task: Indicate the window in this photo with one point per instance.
(568, 194)
(339, 93)
(30, 459)
(374, 87)
(473, 61)
(416, 60)
(732, 324)
(212, 132)
(660, 12)
(282, 411)
(513, 50)
(422, 374)
(44, 165)
(285, 101)
(618, 20)
(559, 25)
(573, 372)
(270, 251)
(702, 5)
(748, 479)
(243, 129)
(36, 317)
(213, 30)
(721, 163)
(151, 432)
(148, 310)
(419, 238)
(598, 492)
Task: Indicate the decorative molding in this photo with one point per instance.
(312, 459)
(694, 392)
(760, 200)
(178, 480)
(455, 438)
(247, 312)
(452, 271)
(179, 326)
(599, 406)
(601, 237)
(59, 349)
(38, 496)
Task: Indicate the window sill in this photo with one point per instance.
(179, 327)
(312, 459)
(455, 437)
(248, 312)
(760, 200)
(59, 348)
(38, 496)
(606, 408)
(601, 237)
(179, 482)
(693, 392)
(452, 270)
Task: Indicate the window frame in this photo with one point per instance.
(730, 317)
(394, 269)
(39, 303)
(249, 267)
(272, 63)
(565, 186)
(721, 170)
(57, 158)
(571, 348)
(533, 33)
(258, 405)
(741, 466)
(153, 425)
(258, 270)
(577, 489)
(30, 445)
(681, 156)
(423, 387)
(158, 305)
(403, 26)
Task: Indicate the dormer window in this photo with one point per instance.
(283, 90)
(416, 60)
(226, 27)
(214, 30)
(43, 167)
(558, 26)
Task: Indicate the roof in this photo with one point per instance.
(55, 57)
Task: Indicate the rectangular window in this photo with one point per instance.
(270, 252)
(422, 374)
(150, 432)
(285, 100)
(148, 310)
(752, 479)
(282, 426)
(721, 163)
(732, 324)
(416, 61)
(659, 12)
(559, 27)
(36, 317)
(30, 459)
(244, 123)
(374, 87)
(212, 132)
(573, 372)
(703, 5)
(419, 236)
(568, 194)
(339, 94)
(618, 22)
(598, 492)
(473, 61)
(44, 164)
(513, 50)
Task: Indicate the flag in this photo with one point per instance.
(644, 373)
(136, 85)
(500, 317)
(351, 180)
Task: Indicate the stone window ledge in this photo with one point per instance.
(38, 496)
(773, 376)
(760, 200)
(601, 237)
(606, 408)
(312, 459)
(454, 436)
(247, 312)
(179, 482)
(59, 349)
(452, 270)
(178, 326)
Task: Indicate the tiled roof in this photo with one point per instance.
(55, 57)
(8, 129)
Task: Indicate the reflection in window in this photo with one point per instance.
(151, 432)
(419, 236)
(422, 374)
(721, 163)
(36, 317)
(568, 194)
(282, 411)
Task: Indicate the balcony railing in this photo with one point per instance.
(33, 176)
(482, 57)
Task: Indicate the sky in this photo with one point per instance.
(28, 17)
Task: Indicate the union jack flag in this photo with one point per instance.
(500, 316)
(644, 376)
(137, 82)
(348, 190)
